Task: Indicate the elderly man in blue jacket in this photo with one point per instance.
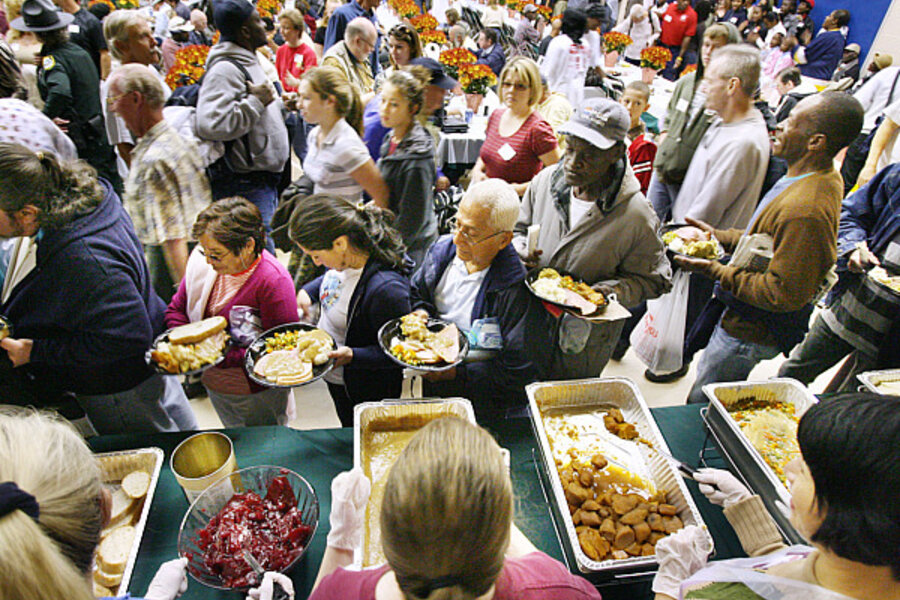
(473, 278)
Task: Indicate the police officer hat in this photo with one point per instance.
(41, 15)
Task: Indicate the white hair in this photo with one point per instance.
(500, 198)
(638, 11)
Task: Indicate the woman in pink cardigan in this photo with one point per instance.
(230, 274)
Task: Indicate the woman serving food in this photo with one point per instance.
(231, 275)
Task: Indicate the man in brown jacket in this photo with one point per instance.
(767, 302)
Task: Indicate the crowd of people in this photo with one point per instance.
(130, 204)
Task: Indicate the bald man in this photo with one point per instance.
(351, 54)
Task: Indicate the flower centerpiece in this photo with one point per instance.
(268, 8)
(653, 60)
(407, 9)
(545, 10)
(614, 44)
(433, 36)
(454, 58)
(424, 22)
(189, 66)
(516, 5)
(475, 80)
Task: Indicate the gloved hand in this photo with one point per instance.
(680, 555)
(349, 495)
(266, 591)
(730, 491)
(169, 582)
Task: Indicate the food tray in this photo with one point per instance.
(380, 416)
(621, 393)
(720, 251)
(391, 330)
(164, 337)
(873, 379)
(115, 466)
(738, 451)
(257, 347)
(534, 275)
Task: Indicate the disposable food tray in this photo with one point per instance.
(873, 379)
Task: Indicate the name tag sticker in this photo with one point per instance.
(73, 28)
(682, 105)
(506, 152)
(667, 18)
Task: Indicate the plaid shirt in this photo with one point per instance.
(167, 186)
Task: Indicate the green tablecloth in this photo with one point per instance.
(319, 455)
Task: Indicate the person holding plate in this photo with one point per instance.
(596, 225)
(231, 274)
(473, 278)
(366, 285)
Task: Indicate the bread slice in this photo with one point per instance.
(101, 591)
(122, 507)
(113, 551)
(107, 580)
(195, 332)
(136, 484)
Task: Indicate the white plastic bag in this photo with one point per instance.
(658, 340)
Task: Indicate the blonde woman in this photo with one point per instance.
(446, 526)
(493, 15)
(53, 507)
(518, 142)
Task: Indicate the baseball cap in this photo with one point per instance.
(529, 8)
(883, 61)
(230, 15)
(438, 77)
(852, 48)
(600, 121)
(177, 24)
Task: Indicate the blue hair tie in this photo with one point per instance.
(14, 498)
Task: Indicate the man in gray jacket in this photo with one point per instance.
(238, 105)
(597, 226)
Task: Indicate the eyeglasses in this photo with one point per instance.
(110, 100)
(456, 228)
(216, 258)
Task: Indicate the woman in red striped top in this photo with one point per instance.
(519, 142)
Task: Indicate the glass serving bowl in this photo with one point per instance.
(208, 504)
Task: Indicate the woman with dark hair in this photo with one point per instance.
(231, 274)
(569, 57)
(844, 489)
(366, 286)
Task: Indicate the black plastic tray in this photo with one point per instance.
(257, 348)
(391, 330)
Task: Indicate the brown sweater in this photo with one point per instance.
(803, 222)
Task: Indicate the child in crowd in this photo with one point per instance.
(641, 150)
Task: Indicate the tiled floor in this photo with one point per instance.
(315, 409)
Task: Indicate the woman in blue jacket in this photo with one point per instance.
(366, 285)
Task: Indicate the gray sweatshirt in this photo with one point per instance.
(226, 111)
(725, 177)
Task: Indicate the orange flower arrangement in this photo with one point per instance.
(454, 58)
(545, 10)
(109, 3)
(476, 79)
(126, 4)
(405, 8)
(688, 69)
(268, 8)
(189, 66)
(616, 42)
(516, 5)
(655, 57)
(424, 22)
(433, 36)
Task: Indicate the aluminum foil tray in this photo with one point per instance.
(874, 380)
(578, 397)
(115, 466)
(399, 418)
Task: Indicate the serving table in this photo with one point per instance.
(319, 455)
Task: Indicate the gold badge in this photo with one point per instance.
(49, 63)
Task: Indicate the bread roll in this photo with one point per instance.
(113, 551)
(195, 332)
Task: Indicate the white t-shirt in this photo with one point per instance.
(334, 302)
(891, 152)
(577, 209)
(455, 293)
(565, 66)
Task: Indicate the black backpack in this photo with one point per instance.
(187, 95)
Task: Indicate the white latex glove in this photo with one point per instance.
(680, 555)
(730, 491)
(267, 589)
(169, 582)
(349, 495)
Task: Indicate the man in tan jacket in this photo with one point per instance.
(765, 309)
(351, 54)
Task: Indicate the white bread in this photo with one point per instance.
(195, 332)
(107, 580)
(101, 591)
(136, 484)
(112, 553)
(122, 508)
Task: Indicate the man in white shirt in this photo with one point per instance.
(473, 279)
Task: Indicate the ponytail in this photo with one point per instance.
(330, 82)
(322, 218)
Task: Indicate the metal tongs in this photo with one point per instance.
(682, 467)
(278, 592)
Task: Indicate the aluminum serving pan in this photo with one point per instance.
(390, 423)
(876, 380)
(115, 466)
(578, 397)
